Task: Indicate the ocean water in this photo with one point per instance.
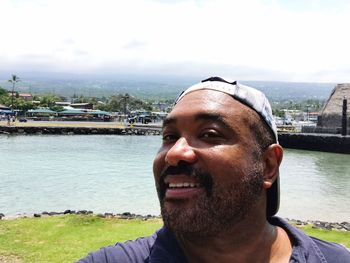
(114, 174)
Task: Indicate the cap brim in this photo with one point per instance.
(273, 198)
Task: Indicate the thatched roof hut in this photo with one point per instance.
(331, 115)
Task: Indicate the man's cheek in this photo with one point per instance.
(157, 167)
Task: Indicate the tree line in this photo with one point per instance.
(114, 103)
(124, 102)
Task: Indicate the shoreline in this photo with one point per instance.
(335, 143)
(75, 128)
(317, 224)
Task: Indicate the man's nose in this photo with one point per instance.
(180, 151)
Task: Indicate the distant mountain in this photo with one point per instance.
(296, 91)
(156, 87)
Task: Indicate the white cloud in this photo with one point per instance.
(267, 36)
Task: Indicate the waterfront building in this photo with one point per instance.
(26, 96)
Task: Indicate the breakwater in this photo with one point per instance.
(305, 141)
(335, 143)
(342, 226)
(39, 130)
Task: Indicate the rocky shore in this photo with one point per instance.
(343, 226)
(125, 215)
(33, 130)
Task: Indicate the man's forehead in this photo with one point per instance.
(208, 105)
(208, 101)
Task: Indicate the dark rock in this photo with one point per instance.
(337, 226)
(45, 213)
(37, 215)
(68, 211)
(1, 215)
(54, 213)
(322, 225)
(126, 214)
(108, 215)
(328, 226)
(82, 212)
(345, 225)
(299, 223)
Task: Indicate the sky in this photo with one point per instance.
(276, 40)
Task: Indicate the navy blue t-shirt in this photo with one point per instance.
(162, 246)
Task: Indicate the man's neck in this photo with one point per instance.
(244, 242)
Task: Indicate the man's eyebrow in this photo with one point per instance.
(200, 116)
(213, 117)
(168, 121)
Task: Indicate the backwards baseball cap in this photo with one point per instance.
(255, 100)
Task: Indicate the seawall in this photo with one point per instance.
(305, 141)
(136, 130)
(316, 142)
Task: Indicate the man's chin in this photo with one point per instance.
(184, 220)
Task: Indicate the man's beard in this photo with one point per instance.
(222, 206)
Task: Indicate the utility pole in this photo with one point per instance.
(307, 112)
(125, 98)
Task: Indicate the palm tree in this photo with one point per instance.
(14, 79)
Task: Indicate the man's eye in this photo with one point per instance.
(169, 137)
(210, 134)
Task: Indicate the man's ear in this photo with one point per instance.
(272, 158)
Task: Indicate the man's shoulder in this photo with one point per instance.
(332, 252)
(310, 249)
(136, 251)
(162, 246)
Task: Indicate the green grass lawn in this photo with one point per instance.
(65, 238)
(340, 237)
(70, 237)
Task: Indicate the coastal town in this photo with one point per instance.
(124, 110)
(25, 107)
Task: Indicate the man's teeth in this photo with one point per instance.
(181, 185)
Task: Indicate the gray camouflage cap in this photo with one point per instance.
(249, 96)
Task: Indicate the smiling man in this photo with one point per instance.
(217, 178)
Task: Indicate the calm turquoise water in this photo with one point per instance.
(114, 174)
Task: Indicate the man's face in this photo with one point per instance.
(207, 172)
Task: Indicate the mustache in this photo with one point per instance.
(185, 168)
(181, 168)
